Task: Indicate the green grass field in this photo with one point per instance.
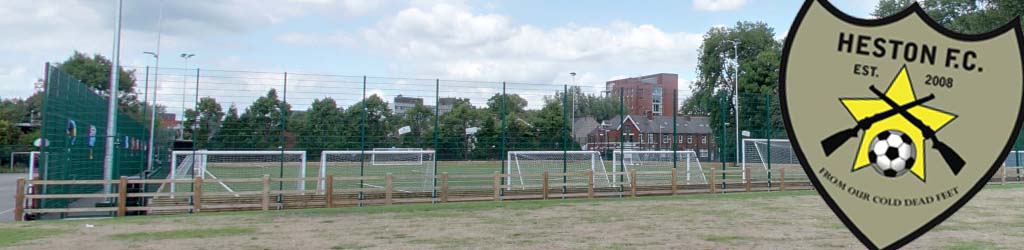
(758, 220)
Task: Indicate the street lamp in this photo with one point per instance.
(184, 86)
(573, 128)
(152, 113)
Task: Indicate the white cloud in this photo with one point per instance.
(718, 5)
(304, 39)
(452, 42)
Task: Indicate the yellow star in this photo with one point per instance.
(901, 92)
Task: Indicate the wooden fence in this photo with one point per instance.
(197, 200)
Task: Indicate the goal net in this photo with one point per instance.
(412, 170)
(760, 154)
(213, 166)
(397, 159)
(686, 163)
(525, 168)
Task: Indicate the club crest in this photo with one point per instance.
(898, 122)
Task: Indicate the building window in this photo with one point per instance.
(704, 139)
(703, 153)
(650, 138)
(666, 139)
(689, 139)
(680, 139)
(656, 100)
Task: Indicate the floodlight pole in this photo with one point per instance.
(184, 86)
(108, 156)
(156, 85)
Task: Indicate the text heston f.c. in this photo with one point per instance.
(908, 51)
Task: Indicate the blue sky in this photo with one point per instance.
(518, 41)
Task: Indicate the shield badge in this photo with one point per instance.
(898, 122)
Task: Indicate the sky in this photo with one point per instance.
(527, 41)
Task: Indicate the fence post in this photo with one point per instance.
(1002, 179)
(444, 187)
(590, 184)
(711, 184)
(782, 179)
(747, 181)
(497, 186)
(19, 200)
(389, 187)
(266, 192)
(329, 191)
(544, 187)
(197, 199)
(675, 183)
(632, 183)
(122, 196)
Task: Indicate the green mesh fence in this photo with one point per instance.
(74, 127)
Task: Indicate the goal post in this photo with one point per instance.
(686, 163)
(762, 154)
(412, 169)
(526, 167)
(224, 164)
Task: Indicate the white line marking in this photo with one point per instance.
(403, 191)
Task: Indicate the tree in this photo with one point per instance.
(420, 120)
(205, 123)
(759, 60)
(513, 104)
(378, 123)
(965, 16)
(264, 121)
(321, 127)
(454, 143)
(233, 133)
(94, 72)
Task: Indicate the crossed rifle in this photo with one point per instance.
(833, 142)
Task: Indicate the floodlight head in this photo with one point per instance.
(151, 53)
(187, 55)
(572, 73)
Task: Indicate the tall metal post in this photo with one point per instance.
(675, 124)
(721, 150)
(736, 99)
(437, 119)
(362, 144)
(437, 91)
(283, 128)
(504, 140)
(565, 136)
(768, 134)
(156, 85)
(108, 156)
(622, 136)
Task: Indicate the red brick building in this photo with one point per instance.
(651, 94)
(654, 133)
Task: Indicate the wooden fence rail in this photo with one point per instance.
(265, 194)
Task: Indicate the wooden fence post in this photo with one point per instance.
(675, 183)
(197, 197)
(266, 192)
(782, 179)
(329, 191)
(1002, 180)
(544, 187)
(590, 184)
(122, 196)
(444, 186)
(711, 184)
(389, 187)
(747, 181)
(632, 183)
(19, 200)
(497, 186)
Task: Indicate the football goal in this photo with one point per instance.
(760, 154)
(26, 159)
(412, 170)
(397, 159)
(213, 166)
(525, 168)
(686, 163)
